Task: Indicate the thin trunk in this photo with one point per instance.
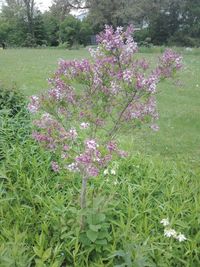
(83, 200)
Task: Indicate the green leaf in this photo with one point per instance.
(101, 242)
(84, 239)
(96, 218)
(46, 255)
(56, 264)
(95, 228)
(39, 263)
(103, 234)
(92, 235)
(38, 252)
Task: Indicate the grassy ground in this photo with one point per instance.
(30, 68)
(178, 105)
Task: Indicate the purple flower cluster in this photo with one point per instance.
(170, 62)
(114, 89)
(33, 105)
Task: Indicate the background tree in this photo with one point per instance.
(29, 12)
(165, 22)
(40, 34)
(14, 25)
(85, 32)
(70, 30)
(23, 21)
(114, 12)
(60, 9)
(51, 27)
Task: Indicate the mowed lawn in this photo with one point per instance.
(178, 101)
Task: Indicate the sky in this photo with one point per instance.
(43, 4)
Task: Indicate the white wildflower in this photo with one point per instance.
(72, 167)
(73, 133)
(181, 237)
(84, 125)
(170, 233)
(105, 172)
(165, 222)
(113, 172)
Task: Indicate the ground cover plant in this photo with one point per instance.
(130, 204)
(39, 225)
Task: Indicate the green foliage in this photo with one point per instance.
(14, 119)
(142, 37)
(113, 12)
(40, 220)
(181, 39)
(166, 20)
(51, 26)
(11, 100)
(29, 41)
(39, 215)
(96, 233)
(85, 32)
(40, 35)
(69, 30)
(4, 29)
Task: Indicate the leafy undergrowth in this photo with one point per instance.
(40, 214)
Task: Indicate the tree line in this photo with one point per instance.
(169, 22)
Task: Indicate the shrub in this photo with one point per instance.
(180, 39)
(14, 119)
(12, 100)
(91, 101)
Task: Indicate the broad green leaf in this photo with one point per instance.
(102, 234)
(96, 218)
(95, 228)
(92, 235)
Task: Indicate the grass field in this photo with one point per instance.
(179, 107)
(40, 209)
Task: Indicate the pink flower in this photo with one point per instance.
(91, 144)
(92, 171)
(33, 106)
(112, 146)
(55, 167)
(155, 127)
(122, 154)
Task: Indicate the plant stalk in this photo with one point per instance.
(83, 200)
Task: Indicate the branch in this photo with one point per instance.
(116, 125)
(78, 5)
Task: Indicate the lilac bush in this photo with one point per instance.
(90, 100)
